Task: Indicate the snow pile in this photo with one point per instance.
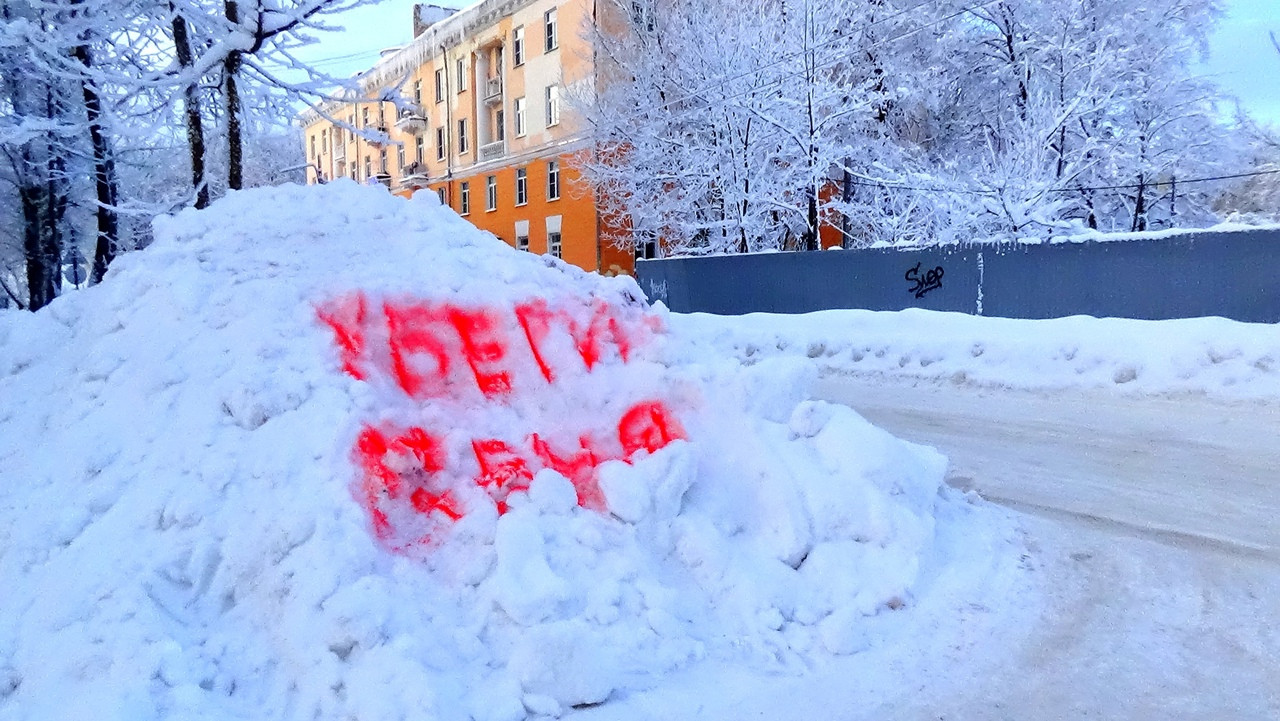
(1197, 355)
(326, 453)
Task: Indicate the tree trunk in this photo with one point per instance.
(55, 202)
(231, 71)
(191, 103)
(1140, 207)
(104, 176)
(40, 290)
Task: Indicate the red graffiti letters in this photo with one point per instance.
(477, 361)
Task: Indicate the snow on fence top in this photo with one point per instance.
(323, 452)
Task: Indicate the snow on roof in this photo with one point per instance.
(325, 452)
(440, 35)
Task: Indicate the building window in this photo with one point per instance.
(440, 193)
(364, 117)
(382, 161)
(522, 242)
(462, 136)
(462, 74)
(351, 133)
(549, 23)
(553, 244)
(464, 198)
(520, 115)
(324, 140)
(553, 180)
(440, 142)
(420, 150)
(400, 155)
(517, 47)
(439, 85)
(491, 192)
(417, 94)
(522, 186)
(368, 167)
(646, 243)
(313, 147)
(500, 122)
(553, 105)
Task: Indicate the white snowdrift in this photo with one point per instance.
(1214, 356)
(187, 533)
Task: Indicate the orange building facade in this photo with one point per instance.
(474, 109)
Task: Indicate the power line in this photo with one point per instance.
(1081, 189)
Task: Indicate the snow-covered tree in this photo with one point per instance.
(727, 127)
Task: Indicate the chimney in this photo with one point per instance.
(425, 15)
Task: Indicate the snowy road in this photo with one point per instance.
(1153, 538)
(1188, 469)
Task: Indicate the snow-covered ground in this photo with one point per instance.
(325, 453)
(1142, 459)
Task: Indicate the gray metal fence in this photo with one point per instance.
(1230, 274)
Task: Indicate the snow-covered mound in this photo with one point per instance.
(325, 453)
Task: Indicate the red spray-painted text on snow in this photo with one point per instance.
(430, 350)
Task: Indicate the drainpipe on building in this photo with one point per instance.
(448, 130)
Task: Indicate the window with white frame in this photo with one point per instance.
(462, 136)
(491, 192)
(553, 236)
(520, 117)
(417, 95)
(553, 105)
(464, 198)
(500, 122)
(522, 186)
(553, 180)
(382, 161)
(439, 85)
(552, 40)
(646, 244)
(442, 195)
(462, 74)
(441, 143)
(517, 47)
(522, 235)
(420, 149)
(313, 147)
(400, 155)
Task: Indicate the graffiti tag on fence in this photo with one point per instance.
(922, 283)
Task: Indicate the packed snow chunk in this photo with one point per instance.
(342, 455)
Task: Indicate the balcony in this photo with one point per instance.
(493, 90)
(413, 171)
(411, 121)
(377, 128)
(493, 151)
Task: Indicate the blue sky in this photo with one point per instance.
(1241, 57)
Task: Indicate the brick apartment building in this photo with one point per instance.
(484, 126)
